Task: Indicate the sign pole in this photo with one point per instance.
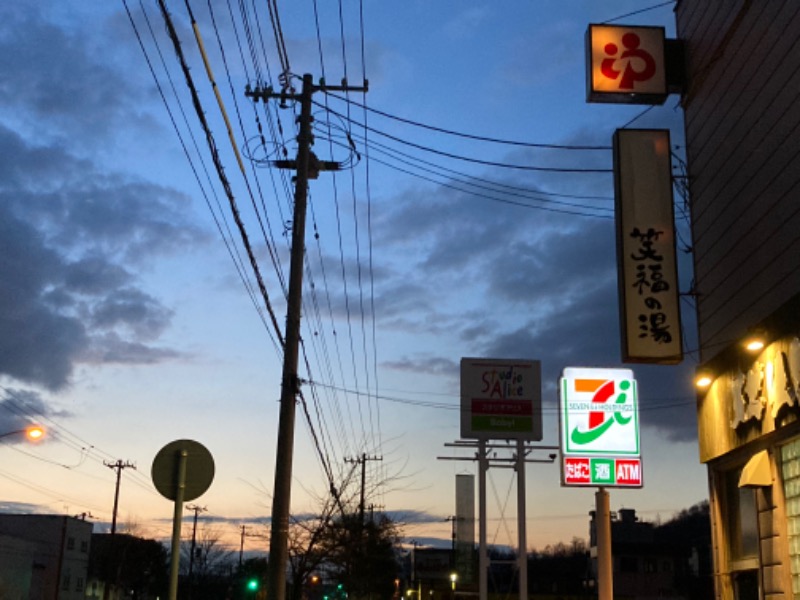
(605, 573)
(483, 553)
(522, 540)
(180, 487)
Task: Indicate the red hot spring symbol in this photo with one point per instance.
(638, 64)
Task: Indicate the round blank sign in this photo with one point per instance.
(199, 469)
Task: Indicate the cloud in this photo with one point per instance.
(55, 86)
(509, 282)
(77, 234)
(23, 508)
(431, 365)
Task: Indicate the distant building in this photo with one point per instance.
(655, 561)
(43, 557)
(743, 173)
(430, 577)
(123, 566)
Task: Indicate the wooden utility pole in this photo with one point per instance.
(362, 460)
(197, 510)
(307, 166)
(119, 465)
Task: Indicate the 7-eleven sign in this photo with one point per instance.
(599, 427)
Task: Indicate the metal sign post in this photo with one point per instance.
(177, 516)
(518, 459)
(182, 470)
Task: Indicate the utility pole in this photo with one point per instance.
(362, 460)
(453, 519)
(196, 509)
(241, 546)
(119, 465)
(282, 491)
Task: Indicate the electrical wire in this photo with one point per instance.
(469, 136)
(479, 161)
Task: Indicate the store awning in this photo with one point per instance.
(756, 472)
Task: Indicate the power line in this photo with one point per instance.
(489, 163)
(220, 170)
(470, 136)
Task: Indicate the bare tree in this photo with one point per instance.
(334, 546)
(211, 557)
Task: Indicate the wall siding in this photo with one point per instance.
(742, 109)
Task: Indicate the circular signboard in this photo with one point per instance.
(199, 469)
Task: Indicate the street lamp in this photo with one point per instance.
(34, 433)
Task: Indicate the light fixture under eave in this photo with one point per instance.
(755, 341)
(703, 380)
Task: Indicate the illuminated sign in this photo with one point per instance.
(650, 317)
(626, 64)
(599, 428)
(501, 399)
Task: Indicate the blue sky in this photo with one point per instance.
(126, 323)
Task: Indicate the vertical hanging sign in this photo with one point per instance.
(646, 259)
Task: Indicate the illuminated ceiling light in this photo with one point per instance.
(703, 380)
(755, 341)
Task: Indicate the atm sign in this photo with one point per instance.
(624, 472)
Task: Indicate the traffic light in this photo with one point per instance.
(252, 584)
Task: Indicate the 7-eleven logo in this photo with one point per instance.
(599, 411)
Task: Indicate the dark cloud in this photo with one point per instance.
(38, 344)
(23, 508)
(111, 348)
(512, 282)
(93, 274)
(429, 365)
(132, 308)
(74, 231)
(55, 85)
(52, 305)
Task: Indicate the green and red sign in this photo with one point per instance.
(599, 428)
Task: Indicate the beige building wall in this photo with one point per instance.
(742, 119)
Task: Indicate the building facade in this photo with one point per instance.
(650, 561)
(743, 152)
(49, 557)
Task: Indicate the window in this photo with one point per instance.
(65, 582)
(742, 519)
(84, 546)
(790, 469)
(740, 530)
(70, 543)
(79, 584)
